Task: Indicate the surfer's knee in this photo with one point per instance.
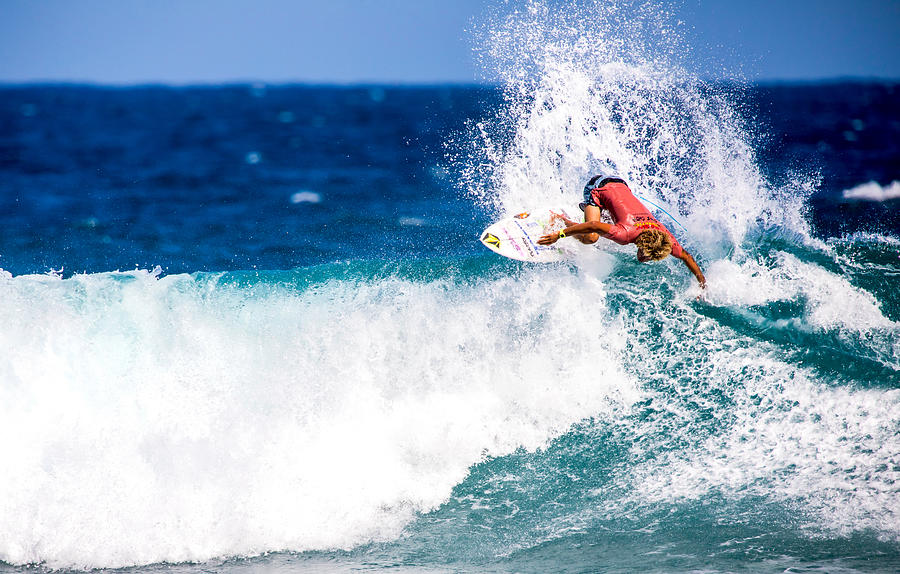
(589, 238)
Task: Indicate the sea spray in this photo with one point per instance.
(587, 83)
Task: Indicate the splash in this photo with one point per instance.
(592, 82)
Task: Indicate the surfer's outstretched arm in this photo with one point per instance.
(695, 269)
(591, 213)
(578, 229)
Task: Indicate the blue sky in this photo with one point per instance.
(405, 41)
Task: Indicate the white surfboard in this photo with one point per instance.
(517, 237)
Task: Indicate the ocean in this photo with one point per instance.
(250, 328)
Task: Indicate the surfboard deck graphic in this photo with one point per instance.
(517, 237)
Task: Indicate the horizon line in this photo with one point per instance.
(262, 84)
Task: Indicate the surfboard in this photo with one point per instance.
(517, 237)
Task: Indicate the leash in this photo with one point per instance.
(663, 210)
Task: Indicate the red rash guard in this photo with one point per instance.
(629, 214)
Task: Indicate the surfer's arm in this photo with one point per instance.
(577, 229)
(695, 269)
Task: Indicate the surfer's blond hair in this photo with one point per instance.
(655, 244)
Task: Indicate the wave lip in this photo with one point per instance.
(872, 191)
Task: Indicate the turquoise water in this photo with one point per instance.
(446, 416)
(309, 363)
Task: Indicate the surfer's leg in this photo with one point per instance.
(591, 213)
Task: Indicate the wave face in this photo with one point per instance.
(458, 412)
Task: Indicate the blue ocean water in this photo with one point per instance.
(250, 328)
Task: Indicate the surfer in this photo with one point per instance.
(632, 223)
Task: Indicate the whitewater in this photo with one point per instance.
(464, 413)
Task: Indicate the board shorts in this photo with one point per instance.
(589, 192)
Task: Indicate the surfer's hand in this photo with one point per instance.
(702, 295)
(554, 217)
(548, 239)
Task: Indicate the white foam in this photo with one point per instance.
(828, 452)
(407, 221)
(827, 302)
(306, 197)
(149, 419)
(872, 191)
(867, 237)
(831, 301)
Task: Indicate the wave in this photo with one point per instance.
(179, 418)
(465, 409)
(186, 417)
(871, 191)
